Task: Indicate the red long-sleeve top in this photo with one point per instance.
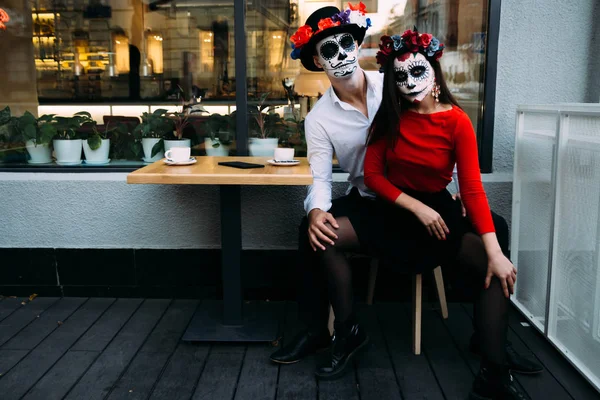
(427, 148)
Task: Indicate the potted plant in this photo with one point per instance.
(97, 145)
(220, 130)
(11, 140)
(154, 127)
(262, 143)
(67, 142)
(35, 133)
(295, 135)
(181, 120)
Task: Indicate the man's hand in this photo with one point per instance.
(318, 231)
(456, 196)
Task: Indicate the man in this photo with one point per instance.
(339, 122)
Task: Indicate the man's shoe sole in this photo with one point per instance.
(342, 370)
(298, 360)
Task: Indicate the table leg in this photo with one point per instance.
(233, 320)
(231, 249)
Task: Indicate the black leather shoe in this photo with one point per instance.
(516, 362)
(345, 346)
(496, 383)
(304, 344)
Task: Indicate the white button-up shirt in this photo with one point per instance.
(335, 126)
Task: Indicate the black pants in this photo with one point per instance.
(313, 300)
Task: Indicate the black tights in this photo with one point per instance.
(490, 305)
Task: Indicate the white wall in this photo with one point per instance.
(546, 55)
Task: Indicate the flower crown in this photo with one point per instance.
(3, 18)
(354, 14)
(410, 41)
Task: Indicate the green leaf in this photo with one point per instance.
(30, 132)
(159, 112)
(47, 133)
(94, 141)
(157, 148)
(84, 113)
(5, 115)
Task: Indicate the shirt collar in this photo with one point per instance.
(372, 89)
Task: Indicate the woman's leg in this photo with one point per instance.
(338, 271)
(490, 305)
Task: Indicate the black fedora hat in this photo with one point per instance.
(308, 50)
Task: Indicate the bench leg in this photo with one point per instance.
(439, 284)
(372, 279)
(417, 304)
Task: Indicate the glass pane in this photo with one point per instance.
(120, 59)
(575, 292)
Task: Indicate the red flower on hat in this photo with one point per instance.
(359, 7)
(327, 23)
(425, 39)
(411, 39)
(3, 18)
(387, 45)
(439, 54)
(302, 36)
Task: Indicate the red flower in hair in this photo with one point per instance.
(411, 39)
(439, 55)
(302, 36)
(359, 7)
(3, 18)
(425, 39)
(387, 45)
(327, 23)
(381, 58)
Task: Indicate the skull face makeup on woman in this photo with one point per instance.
(338, 55)
(414, 76)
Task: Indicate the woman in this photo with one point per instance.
(418, 135)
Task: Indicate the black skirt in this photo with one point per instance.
(395, 234)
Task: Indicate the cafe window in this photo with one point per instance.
(171, 65)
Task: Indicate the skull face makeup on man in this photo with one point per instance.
(338, 55)
(414, 75)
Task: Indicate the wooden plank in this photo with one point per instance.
(220, 375)
(206, 171)
(77, 361)
(47, 323)
(453, 374)
(556, 365)
(296, 381)
(179, 379)
(376, 377)
(9, 358)
(345, 388)
(258, 378)
(57, 382)
(145, 369)
(537, 386)
(22, 377)
(11, 325)
(9, 305)
(103, 331)
(97, 382)
(413, 372)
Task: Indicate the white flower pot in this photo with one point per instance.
(177, 143)
(98, 156)
(39, 154)
(68, 152)
(221, 151)
(147, 144)
(262, 147)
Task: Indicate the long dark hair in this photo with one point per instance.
(387, 119)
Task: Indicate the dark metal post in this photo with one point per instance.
(486, 136)
(241, 81)
(231, 249)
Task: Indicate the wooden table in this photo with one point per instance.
(231, 319)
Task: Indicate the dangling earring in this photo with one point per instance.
(435, 92)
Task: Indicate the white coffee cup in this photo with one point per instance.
(178, 154)
(283, 154)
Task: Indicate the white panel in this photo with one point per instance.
(575, 297)
(129, 111)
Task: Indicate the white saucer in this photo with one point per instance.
(96, 162)
(69, 163)
(148, 160)
(35, 162)
(284, 163)
(192, 160)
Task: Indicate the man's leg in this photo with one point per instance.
(516, 362)
(313, 305)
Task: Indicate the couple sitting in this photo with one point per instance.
(399, 139)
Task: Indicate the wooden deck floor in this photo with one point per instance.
(101, 348)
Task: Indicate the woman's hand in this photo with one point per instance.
(432, 220)
(501, 267)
